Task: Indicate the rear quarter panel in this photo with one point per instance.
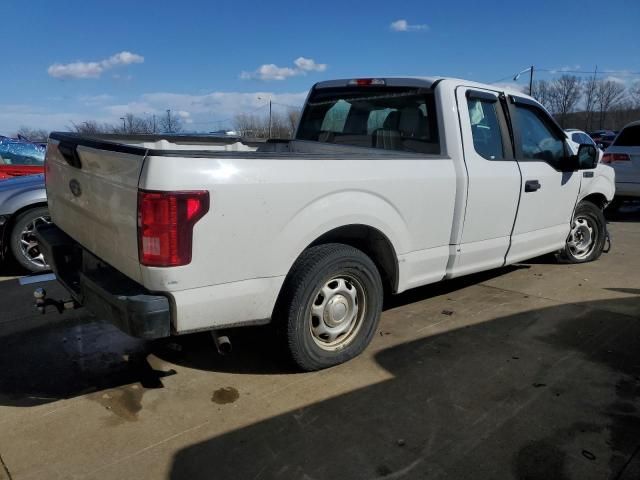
(265, 212)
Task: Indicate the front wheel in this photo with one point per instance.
(329, 306)
(587, 237)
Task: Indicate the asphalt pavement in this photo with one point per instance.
(526, 372)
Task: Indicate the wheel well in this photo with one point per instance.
(9, 225)
(372, 242)
(598, 199)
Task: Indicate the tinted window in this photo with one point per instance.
(628, 137)
(14, 152)
(538, 141)
(375, 117)
(485, 128)
(576, 137)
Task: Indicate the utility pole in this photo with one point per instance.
(269, 117)
(124, 125)
(169, 128)
(154, 123)
(531, 81)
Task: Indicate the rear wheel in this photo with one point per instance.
(23, 243)
(586, 239)
(330, 305)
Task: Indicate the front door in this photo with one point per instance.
(548, 195)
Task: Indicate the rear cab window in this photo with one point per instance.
(389, 118)
(485, 128)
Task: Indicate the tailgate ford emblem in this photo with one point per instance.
(75, 187)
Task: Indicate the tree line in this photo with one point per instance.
(591, 104)
(247, 125)
(277, 125)
(129, 124)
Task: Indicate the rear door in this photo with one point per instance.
(92, 191)
(493, 182)
(548, 195)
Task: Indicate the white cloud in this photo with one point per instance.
(93, 69)
(402, 25)
(271, 71)
(309, 65)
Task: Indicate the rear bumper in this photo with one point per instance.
(103, 290)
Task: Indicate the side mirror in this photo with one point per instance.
(587, 156)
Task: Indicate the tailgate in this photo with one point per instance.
(92, 190)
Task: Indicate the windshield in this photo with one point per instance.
(373, 117)
(15, 152)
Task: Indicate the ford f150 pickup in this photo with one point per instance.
(388, 184)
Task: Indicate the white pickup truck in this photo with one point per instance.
(389, 184)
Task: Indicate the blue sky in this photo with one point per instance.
(69, 61)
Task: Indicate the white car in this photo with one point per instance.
(389, 184)
(624, 156)
(578, 137)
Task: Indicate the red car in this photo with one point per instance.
(20, 157)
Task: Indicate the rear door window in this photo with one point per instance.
(485, 128)
(628, 137)
(389, 118)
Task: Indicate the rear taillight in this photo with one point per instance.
(615, 157)
(165, 226)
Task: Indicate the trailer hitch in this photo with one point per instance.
(42, 302)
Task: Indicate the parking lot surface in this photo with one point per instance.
(526, 372)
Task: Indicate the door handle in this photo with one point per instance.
(532, 185)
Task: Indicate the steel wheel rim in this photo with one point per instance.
(28, 243)
(582, 238)
(336, 312)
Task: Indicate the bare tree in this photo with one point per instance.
(133, 124)
(91, 127)
(170, 123)
(542, 92)
(589, 93)
(33, 134)
(634, 93)
(293, 115)
(564, 96)
(608, 94)
(283, 125)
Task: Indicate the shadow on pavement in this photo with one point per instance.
(51, 357)
(546, 394)
(628, 212)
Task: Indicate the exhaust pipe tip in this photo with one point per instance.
(222, 342)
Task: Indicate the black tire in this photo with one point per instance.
(28, 259)
(331, 266)
(590, 217)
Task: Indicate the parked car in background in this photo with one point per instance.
(624, 156)
(19, 156)
(23, 206)
(577, 137)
